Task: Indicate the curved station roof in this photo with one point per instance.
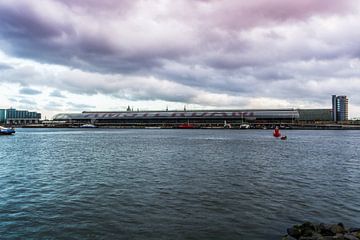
(211, 114)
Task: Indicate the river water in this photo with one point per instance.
(175, 184)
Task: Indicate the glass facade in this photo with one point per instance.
(340, 110)
(315, 114)
(2, 115)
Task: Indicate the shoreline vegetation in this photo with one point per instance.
(312, 231)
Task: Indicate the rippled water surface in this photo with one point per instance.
(175, 184)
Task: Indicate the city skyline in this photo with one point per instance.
(69, 56)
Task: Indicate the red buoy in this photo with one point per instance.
(276, 132)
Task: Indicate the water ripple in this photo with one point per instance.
(173, 184)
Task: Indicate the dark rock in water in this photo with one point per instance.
(327, 238)
(307, 229)
(339, 236)
(325, 230)
(310, 231)
(356, 234)
(315, 236)
(287, 237)
(337, 228)
(348, 236)
(294, 232)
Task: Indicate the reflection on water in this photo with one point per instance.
(174, 184)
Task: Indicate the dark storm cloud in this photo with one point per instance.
(19, 21)
(29, 91)
(31, 34)
(65, 39)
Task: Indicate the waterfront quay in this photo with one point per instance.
(204, 119)
(264, 126)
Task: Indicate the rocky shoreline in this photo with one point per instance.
(311, 231)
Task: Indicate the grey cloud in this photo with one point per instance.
(121, 6)
(27, 102)
(355, 100)
(68, 43)
(53, 106)
(5, 66)
(29, 91)
(26, 23)
(56, 93)
(271, 74)
(13, 100)
(244, 48)
(54, 41)
(79, 106)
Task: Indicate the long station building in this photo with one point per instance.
(199, 118)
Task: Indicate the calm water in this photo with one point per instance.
(175, 184)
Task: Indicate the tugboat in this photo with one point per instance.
(6, 131)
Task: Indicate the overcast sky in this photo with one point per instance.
(73, 55)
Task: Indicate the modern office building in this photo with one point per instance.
(18, 117)
(340, 110)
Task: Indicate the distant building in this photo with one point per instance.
(315, 114)
(197, 117)
(2, 116)
(18, 117)
(340, 110)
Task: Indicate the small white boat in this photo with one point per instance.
(6, 131)
(244, 126)
(88, 126)
(227, 125)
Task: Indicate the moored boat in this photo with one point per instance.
(244, 126)
(88, 126)
(283, 138)
(6, 131)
